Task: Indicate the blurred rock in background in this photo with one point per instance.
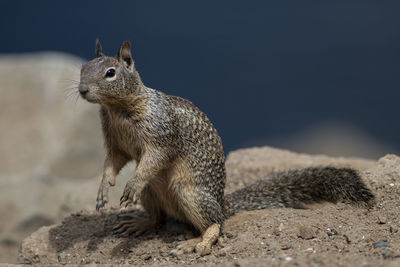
(51, 148)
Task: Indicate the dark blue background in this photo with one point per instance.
(258, 68)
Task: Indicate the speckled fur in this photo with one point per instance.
(297, 188)
(180, 160)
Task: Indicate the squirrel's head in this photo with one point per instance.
(105, 80)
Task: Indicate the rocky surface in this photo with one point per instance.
(325, 234)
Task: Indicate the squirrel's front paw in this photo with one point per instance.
(132, 193)
(102, 196)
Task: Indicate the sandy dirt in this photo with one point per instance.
(324, 234)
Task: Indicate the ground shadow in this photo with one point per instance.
(81, 227)
(95, 228)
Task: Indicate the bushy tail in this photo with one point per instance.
(296, 188)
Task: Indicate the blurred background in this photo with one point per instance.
(309, 76)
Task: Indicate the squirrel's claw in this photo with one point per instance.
(132, 194)
(99, 205)
(126, 195)
(102, 197)
(122, 200)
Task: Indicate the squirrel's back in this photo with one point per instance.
(200, 144)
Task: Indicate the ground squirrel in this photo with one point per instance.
(180, 160)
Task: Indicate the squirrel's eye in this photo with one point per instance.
(110, 73)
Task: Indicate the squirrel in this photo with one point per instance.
(180, 159)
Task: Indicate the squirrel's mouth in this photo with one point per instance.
(89, 97)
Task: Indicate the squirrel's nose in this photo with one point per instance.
(83, 89)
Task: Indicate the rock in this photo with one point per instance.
(286, 258)
(382, 219)
(272, 246)
(352, 237)
(278, 230)
(387, 254)
(331, 232)
(49, 146)
(310, 250)
(221, 254)
(36, 249)
(230, 235)
(146, 257)
(381, 244)
(281, 227)
(287, 245)
(61, 257)
(65, 135)
(181, 237)
(306, 232)
(393, 229)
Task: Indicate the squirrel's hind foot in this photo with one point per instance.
(200, 245)
(133, 225)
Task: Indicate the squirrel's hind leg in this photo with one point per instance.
(203, 211)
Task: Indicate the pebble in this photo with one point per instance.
(351, 238)
(310, 250)
(272, 245)
(387, 254)
(381, 244)
(278, 230)
(382, 219)
(288, 258)
(230, 235)
(146, 257)
(331, 232)
(221, 254)
(280, 227)
(61, 256)
(306, 232)
(181, 237)
(287, 246)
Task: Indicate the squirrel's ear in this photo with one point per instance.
(125, 56)
(98, 49)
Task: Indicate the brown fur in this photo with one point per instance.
(180, 160)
